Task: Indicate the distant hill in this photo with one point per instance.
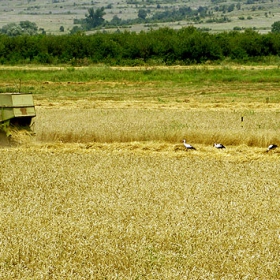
(212, 15)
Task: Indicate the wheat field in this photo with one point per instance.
(87, 200)
(106, 190)
(256, 128)
(107, 211)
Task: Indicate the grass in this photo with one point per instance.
(182, 74)
(106, 190)
(203, 84)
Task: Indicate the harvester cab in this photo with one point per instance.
(16, 110)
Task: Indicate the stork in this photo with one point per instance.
(271, 147)
(219, 146)
(188, 146)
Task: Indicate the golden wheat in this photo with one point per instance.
(94, 212)
(258, 128)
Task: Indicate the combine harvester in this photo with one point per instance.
(16, 113)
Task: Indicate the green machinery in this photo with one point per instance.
(16, 109)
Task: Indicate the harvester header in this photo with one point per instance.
(16, 109)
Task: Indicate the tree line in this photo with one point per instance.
(187, 45)
(94, 18)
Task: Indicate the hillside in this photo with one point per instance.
(213, 15)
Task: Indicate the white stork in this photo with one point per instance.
(271, 147)
(219, 146)
(188, 146)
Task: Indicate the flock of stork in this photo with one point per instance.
(221, 146)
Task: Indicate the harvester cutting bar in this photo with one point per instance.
(16, 109)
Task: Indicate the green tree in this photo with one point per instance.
(23, 28)
(142, 14)
(230, 8)
(275, 27)
(76, 29)
(94, 18)
(29, 27)
(11, 29)
(115, 20)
